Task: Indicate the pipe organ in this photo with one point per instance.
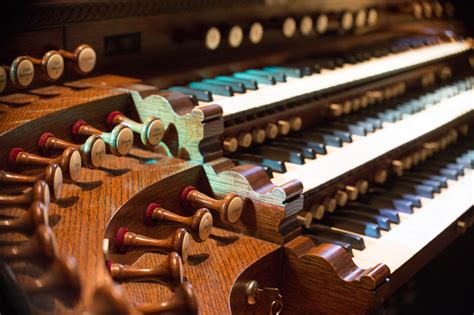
(233, 157)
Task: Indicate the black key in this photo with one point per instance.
(326, 64)
(338, 132)
(223, 90)
(304, 68)
(317, 146)
(384, 116)
(320, 137)
(359, 121)
(248, 84)
(356, 226)
(442, 180)
(436, 185)
(390, 214)
(204, 96)
(356, 241)
(275, 153)
(394, 193)
(375, 121)
(269, 80)
(237, 87)
(449, 173)
(387, 202)
(308, 152)
(352, 128)
(382, 221)
(441, 164)
(289, 72)
(275, 165)
(277, 76)
(421, 190)
(320, 240)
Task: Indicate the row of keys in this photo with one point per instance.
(21, 73)
(251, 91)
(306, 25)
(287, 152)
(392, 208)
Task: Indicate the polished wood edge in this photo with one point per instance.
(269, 211)
(336, 260)
(196, 130)
(249, 181)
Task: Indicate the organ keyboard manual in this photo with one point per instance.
(237, 157)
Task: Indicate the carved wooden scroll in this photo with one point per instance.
(191, 132)
(270, 211)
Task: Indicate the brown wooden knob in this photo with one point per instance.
(83, 57)
(258, 135)
(199, 224)
(284, 127)
(37, 215)
(352, 192)
(70, 161)
(341, 198)
(61, 281)
(52, 175)
(39, 192)
(169, 272)
(109, 299)
(397, 167)
(296, 123)
(22, 72)
(230, 208)
(374, 97)
(230, 144)
(183, 302)
(51, 65)
(92, 151)
(120, 139)
(317, 211)
(347, 106)
(151, 131)
(329, 204)
(271, 131)
(305, 218)
(335, 110)
(362, 186)
(380, 176)
(245, 139)
(41, 247)
(179, 242)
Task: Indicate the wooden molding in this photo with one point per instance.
(327, 274)
(270, 211)
(191, 132)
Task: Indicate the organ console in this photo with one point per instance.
(295, 157)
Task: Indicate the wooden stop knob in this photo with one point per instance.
(178, 242)
(183, 302)
(170, 271)
(61, 281)
(230, 208)
(199, 224)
